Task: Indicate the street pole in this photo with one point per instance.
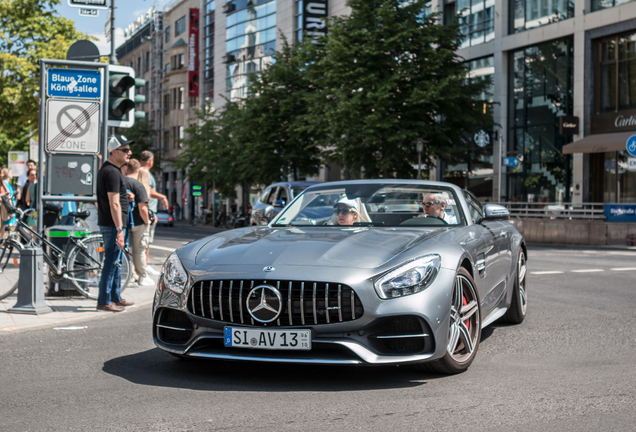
(420, 148)
(500, 167)
(113, 57)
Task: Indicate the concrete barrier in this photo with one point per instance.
(581, 232)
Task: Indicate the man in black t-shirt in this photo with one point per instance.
(112, 214)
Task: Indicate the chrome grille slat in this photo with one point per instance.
(340, 302)
(241, 301)
(211, 301)
(231, 298)
(289, 303)
(314, 302)
(201, 300)
(302, 303)
(327, 302)
(221, 300)
(305, 303)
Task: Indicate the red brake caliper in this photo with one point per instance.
(467, 322)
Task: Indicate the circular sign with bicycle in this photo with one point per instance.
(631, 145)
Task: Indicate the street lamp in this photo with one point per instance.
(419, 145)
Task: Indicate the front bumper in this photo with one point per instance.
(409, 329)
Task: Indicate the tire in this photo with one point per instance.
(464, 330)
(84, 266)
(519, 304)
(9, 271)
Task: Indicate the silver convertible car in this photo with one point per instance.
(371, 272)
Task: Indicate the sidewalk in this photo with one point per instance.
(69, 310)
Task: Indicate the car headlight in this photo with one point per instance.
(174, 276)
(410, 278)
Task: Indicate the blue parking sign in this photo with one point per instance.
(511, 162)
(74, 83)
(631, 145)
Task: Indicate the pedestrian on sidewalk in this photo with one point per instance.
(112, 212)
(147, 161)
(141, 223)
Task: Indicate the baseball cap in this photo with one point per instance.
(116, 141)
(349, 203)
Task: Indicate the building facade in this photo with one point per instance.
(547, 60)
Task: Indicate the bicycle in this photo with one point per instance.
(81, 261)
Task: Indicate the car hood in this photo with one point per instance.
(330, 247)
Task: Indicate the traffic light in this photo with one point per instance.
(122, 98)
(196, 189)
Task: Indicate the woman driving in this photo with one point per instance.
(346, 210)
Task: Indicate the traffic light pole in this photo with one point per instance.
(113, 57)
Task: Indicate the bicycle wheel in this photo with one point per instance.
(84, 266)
(9, 267)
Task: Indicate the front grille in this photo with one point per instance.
(303, 303)
(174, 327)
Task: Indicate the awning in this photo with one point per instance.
(599, 143)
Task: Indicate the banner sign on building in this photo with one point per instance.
(193, 54)
(314, 16)
(620, 212)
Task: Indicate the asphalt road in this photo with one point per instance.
(568, 367)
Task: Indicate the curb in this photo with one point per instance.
(581, 247)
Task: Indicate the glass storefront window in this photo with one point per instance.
(616, 65)
(250, 43)
(605, 4)
(619, 187)
(528, 14)
(540, 91)
(475, 173)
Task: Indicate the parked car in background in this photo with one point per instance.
(164, 218)
(273, 199)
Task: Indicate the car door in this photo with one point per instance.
(487, 253)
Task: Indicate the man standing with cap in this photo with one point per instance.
(112, 214)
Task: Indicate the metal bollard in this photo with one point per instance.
(31, 283)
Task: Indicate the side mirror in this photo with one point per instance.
(495, 212)
(279, 203)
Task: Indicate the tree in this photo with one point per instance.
(31, 30)
(144, 134)
(387, 75)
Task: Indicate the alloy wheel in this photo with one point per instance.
(464, 321)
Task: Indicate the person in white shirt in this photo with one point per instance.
(147, 161)
(434, 204)
(22, 178)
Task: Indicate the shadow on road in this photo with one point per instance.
(157, 368)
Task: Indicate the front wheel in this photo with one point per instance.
(9, 267)
(464, 330)
(85, 263)
(519, 304)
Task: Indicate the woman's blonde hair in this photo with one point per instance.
(144, 179)
(5, 174)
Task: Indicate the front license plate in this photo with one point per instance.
(240, 337)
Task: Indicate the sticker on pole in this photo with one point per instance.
(631, 145)
(72, 127)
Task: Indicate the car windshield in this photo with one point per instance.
(374, 204)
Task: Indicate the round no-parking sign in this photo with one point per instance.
(631, 145)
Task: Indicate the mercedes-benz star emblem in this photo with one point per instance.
(264, 303)
(268, 269)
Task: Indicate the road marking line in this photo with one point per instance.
(587, 271)
(546, 272)
(162, 248)
(623, 269)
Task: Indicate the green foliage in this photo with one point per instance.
(387, 76)
(383, 77)
(30, 30)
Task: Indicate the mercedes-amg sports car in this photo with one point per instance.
(372, 272)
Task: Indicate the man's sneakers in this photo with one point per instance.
(111, 307)
(145, 281)
(151, 270)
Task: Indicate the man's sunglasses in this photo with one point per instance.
(124, 150)
(430, 203)
(343, 211)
